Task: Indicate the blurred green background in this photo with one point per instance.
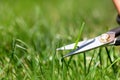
(39, 25)
(48, 19)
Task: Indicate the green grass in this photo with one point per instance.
(31, 30)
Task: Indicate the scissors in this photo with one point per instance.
(111, 37)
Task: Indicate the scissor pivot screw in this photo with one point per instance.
(105, 38)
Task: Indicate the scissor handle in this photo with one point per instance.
(118, 19)
(117, 42)
(116, 30)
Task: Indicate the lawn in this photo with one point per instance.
(31, 30)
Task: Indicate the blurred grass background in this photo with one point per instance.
(30, 30)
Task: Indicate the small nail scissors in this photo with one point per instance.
(111, 37)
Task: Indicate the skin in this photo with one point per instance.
(117, 5)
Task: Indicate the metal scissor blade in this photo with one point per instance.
(72, 46)
(91, 44)
(88, 46)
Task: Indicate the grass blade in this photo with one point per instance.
(90, 63)
(111, 65)
(108, 54)
(100, 56)
(78, 38)
(85, 67)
